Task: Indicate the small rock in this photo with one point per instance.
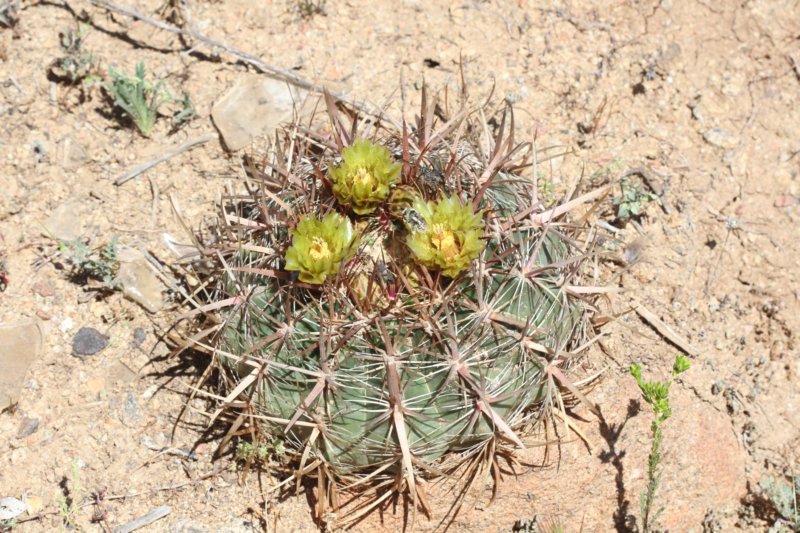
(139, 336)
(71, 154)
(35, 504)
(138, 281)
(20, 345)
(43, 314)
(254, 106)
(44, 289)
(131, 411)
(65, 223)
(11, 508)
(66, 325)
(88, 341)
(721, 138)
(27, 427)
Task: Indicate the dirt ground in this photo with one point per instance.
(703, 96)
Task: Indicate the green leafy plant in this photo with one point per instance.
(632, 200)
(264, 452)
(185, 114)
(783, 497)
(77, 65)
(138, 98)
(92, 263)
(656, 395)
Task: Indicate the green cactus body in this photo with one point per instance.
(425, 333)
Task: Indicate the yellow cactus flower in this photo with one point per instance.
(363, 180)
(319, 247)
(444, 235)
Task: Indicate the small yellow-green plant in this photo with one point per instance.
(656, 395)
(138, 98)
(363, 180)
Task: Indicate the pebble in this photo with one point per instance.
(27, 427)
(20, 345)
(721, 138)
(65, 223)
(11, 508)
(88, 341)
(44, 289)
(139, 336)
(138, 281)
(131, 410)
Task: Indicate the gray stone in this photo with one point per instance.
(255, 105)
(27, 427)
(20, 345)
(88, 341)
(138, 281)
(139, 336)
(721, 138)
(130, 410)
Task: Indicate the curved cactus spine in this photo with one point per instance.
(393, 362)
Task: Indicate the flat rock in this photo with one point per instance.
(255, 105)
(721, 138)
(11, 508)
(65, 223)
(20, 345)
(71, 154)
(88, 341)
(27, 427)
(138, 281)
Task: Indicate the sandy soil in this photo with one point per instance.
(702, 95)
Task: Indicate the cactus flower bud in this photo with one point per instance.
(450, 237)
(319, 247)
(363, 179)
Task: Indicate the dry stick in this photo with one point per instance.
(250, 59)
(156, 514)
(666, 331)
(144, 167)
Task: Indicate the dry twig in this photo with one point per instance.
(144, 167)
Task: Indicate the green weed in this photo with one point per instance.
(69, 503)
(89, 263)
(783, 497)
(248, 452)
(77, 65)
(656, 395)
(138, 98)
(632, 200)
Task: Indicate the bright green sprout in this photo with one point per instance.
(448, 236)
(138, 98)
(363, 179)
(319, 247)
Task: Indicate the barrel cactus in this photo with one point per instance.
(392, 299)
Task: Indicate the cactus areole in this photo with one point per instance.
(393, 302)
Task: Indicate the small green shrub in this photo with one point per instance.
(77, 65)
(90, 263)
(656, 394)
(138, 98)
(247, 451)
(632, 200)
(783, 497)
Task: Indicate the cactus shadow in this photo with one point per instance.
(611, 434)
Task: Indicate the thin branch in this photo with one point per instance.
(144, 167)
